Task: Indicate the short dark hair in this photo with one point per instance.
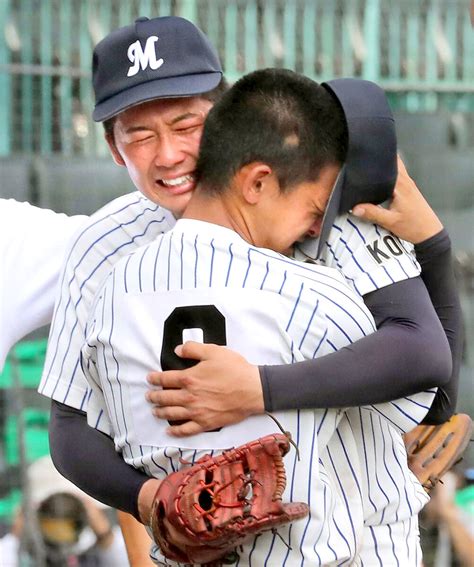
(275, 116)
(213, 96)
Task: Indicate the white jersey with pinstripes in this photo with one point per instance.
(370, 258)
(116, 230)
(204, 281)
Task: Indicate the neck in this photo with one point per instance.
(222, 210)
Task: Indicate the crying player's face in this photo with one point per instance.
(298, 212)
(158, 143)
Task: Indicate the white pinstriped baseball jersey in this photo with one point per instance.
(371, 258)
(203, 279)
(116, 230)
(365, 254)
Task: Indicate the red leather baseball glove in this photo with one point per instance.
(434, 449)
(202, 513)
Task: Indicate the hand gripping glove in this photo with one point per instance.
(434, 449)
(202, 513)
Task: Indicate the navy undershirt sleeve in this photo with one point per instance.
(409, 353)
(435, 258)
(88, 458)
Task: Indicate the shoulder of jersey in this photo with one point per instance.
(308, 249)
(130, 214)
(308, 269)
(127, 206)
(346, 225)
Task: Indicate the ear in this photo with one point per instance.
(113, 150)
(255, 179)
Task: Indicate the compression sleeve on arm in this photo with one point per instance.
(88, 458)
(435, 258)
(408, 354)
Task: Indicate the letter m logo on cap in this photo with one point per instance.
(143, 57)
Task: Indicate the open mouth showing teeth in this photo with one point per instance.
(177, 181)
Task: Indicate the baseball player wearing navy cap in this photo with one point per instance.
(159, 151)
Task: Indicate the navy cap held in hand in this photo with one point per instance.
(370, 169)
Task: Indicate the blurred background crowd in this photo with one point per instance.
(53, 155)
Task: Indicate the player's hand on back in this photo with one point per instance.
(222, 389)
(409, 215)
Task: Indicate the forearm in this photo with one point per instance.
(88, 459)
(407, 354)
(435, 257)
(100, 525)
(137, 541)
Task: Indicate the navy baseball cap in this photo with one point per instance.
(370, 170)
(164, 57)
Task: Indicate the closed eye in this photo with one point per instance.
(188, 126)
(189, 129)
(141, 139)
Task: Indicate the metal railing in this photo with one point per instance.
(420, 51)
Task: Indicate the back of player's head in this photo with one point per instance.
(277, 117)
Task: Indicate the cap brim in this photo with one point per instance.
(332, 210)
(312, 247)
(172, 87)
